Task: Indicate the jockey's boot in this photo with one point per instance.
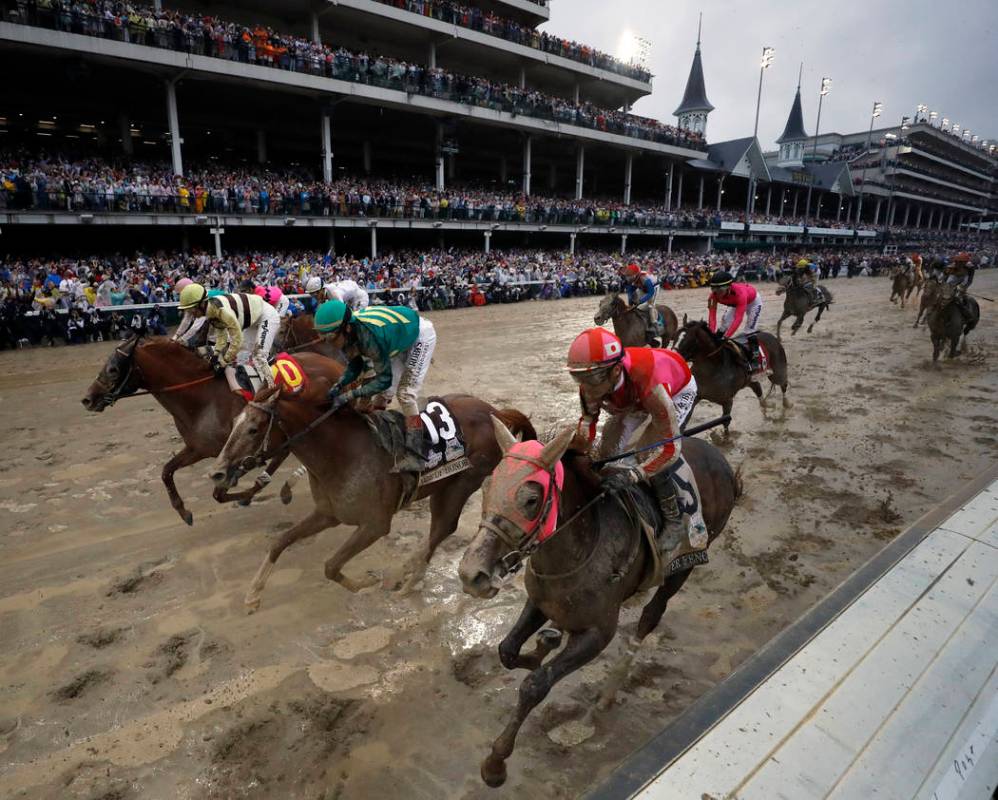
(755, 362)
(675, 524)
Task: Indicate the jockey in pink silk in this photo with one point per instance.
(741, 319)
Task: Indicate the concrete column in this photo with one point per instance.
(859, 210)
(890, 217)
(374, 243)
(942, 214)
(918, 217)
(796, 197)
(527, 163)
(932, 214)
(366, 156)
(628, 169)
(431, 56)
(488, 241)
(439, 158)
(261, 146)
(623, 244)
(315, 28)
(838, 214)
(503, 170)
(575, 95)
(769, 197)
(720, 191)
(571, 244)
(783, 200)
(700, 196)
(668, 187)
(523, 77)
(217, 233)
(907, 210)
(580, 167)
(326, 131)
(949, 220)
(125, 129)
(668, 248)
(175, 140)
(876, 212)
(332, 240)
(679, 191)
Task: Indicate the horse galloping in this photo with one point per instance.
(581, 574)
(902, 285)
(720, 369)
(630, 326)
(798, 303)
(351, 476)
(946, 322)
(200, 402)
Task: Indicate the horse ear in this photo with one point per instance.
(686, 319)
(555, 449)
(503, 435)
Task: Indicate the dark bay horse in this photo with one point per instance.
(798, 304)
(351, 476)
(580, 576)
(947, 323)
(200, 402)
(630, 326)
(721, 371)
(902, 285)
(928, 298)
(298, 334)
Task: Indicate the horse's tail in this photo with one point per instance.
(518, 423)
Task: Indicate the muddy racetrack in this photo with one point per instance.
(128, 668)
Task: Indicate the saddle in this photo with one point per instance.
(285, 370)
(755, 360)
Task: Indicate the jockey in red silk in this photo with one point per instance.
(633, 384)
(642, 293)
(741, 319)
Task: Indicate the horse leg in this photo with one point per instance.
(650, 616)
(184, 458)
(310, 526)
(797, 325)
(726, 411)
(817, 319)
(362, 538)
(530, 621)
(263, 479)
(291, 482)
(445, 512)
(757, 389)
(582, 647)
(779, 322)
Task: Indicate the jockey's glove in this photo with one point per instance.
(620, 480)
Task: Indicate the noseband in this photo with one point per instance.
(260, 456)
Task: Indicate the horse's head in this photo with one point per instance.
(695, 339)
(118, 378)
(248, 440)
(609, 306)
(519, 510)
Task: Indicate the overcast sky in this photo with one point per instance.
(943, 53)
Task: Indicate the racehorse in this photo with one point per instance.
(351, 475)
(581, 574)
(720, 369)
(928, 298)
(630, 326)
(200, 402)
(298, 334)
(902, 285)
(947, 322)
(797, 304)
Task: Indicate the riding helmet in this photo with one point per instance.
(313, 285)
(721, 279)
(331, 315)
(593, 349)
(191, 295)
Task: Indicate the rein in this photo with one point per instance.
(262, 455)
(309, 343)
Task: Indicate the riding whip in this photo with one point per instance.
(706, 426)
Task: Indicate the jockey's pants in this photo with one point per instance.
(409, 370)
(749, 323)
(258, 341)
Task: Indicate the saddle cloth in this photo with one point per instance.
(762, 366)
(286, 371)
(674, 550)
(444, 442)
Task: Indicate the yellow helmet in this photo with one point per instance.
(191, 296)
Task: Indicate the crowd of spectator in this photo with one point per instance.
(78, 299)
(210, 36)
(478, 19)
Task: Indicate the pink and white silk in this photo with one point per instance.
(519, 465)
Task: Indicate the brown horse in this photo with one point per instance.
(351, 476)
(578, 577)
(947, 322)
(902, 285)
(630, 326)
(928, 298)
(200, 402)
(298, 334)
(720, 370)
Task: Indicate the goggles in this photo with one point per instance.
(594, 377)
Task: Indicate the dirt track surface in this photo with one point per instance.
(129, 669)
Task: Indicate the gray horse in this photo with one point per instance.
(798, 303)
(631, 327)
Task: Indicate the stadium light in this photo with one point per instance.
(764, 64)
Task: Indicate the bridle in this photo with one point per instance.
(260, 456)
(112, 394)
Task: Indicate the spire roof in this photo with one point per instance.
(794, 130)
(695, 96)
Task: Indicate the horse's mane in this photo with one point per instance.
(580, 465)
(166, 346)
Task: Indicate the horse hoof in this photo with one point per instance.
(188, 517)
(286, 495)
(252, 604)
(493, 773)
(243, 503)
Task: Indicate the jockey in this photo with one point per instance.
(960, 273)
(633, 384)
(348, 292)
(804, 277)
(744, 308)
(396, 343)
(275, 297)
(243, 323)
(642, 293)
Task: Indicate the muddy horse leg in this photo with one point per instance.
(817, 319)
(797, 324)
(530, 621)
(757, 390)
(310, 526)
(779, 323)
(262, 480)
(582, 647)
(184, 458)
(650, 616)
(362, 538)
